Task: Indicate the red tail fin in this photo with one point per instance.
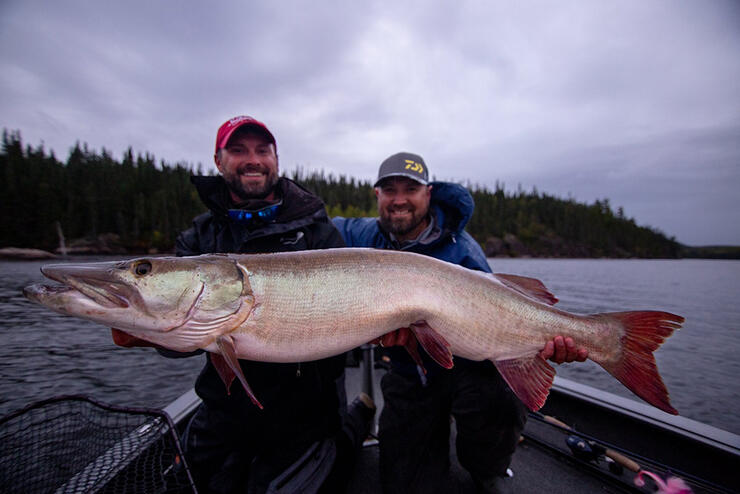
(645, 331)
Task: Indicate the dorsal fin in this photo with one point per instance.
(531, 287)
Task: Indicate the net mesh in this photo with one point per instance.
(75, 444)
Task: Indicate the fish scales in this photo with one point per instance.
(341, 299)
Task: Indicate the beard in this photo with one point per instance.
(246, 190)
(400, 226)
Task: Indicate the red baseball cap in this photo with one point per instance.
(227, 129)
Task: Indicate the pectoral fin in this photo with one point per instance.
(227, 366)
(434, 344)
(224, 371)
(530, 378)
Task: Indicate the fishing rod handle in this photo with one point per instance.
(627, 463)
(614, 455)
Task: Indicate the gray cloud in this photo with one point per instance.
(635, 101)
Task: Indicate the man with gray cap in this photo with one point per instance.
(414, 428)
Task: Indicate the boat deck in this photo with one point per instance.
(703, 456)
(50, 437)
(536, 468)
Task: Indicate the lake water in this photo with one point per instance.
(44, 354)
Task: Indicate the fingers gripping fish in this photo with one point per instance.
(301, 306)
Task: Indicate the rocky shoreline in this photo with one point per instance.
(107, 244)
(22, 254)
(508, 245)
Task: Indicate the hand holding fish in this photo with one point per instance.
(563, 350)
(125, 340)
(399, 337)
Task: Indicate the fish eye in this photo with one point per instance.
(143, 268)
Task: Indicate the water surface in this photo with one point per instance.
(45, 354)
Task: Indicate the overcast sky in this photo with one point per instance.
(635, 101)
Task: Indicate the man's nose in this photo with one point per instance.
(400, 198)
(251, 158)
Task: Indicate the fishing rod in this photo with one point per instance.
(589, 449)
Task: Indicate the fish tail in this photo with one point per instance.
(644, 332)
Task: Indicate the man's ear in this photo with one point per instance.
(377, 191)
(217, 161)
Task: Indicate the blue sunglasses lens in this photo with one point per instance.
(264, 215)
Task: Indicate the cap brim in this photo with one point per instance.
(407, 175)
(257, 126)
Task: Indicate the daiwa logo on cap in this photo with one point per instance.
(414, 166)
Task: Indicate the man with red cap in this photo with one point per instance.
(305, 438)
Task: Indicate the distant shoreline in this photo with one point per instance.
(31, 254)
(23, 254)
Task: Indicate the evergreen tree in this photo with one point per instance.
(147, 204)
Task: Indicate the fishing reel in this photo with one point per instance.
(590, 451)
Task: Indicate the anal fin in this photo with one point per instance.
(412, 348)
(434, 344)
(530, 378)
(227, 366)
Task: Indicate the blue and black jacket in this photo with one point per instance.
(452, 207)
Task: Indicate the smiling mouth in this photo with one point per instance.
(251, 171)
(401, 212)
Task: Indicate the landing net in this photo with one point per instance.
(75, 444)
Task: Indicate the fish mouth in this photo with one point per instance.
(38, 291)
(106, 293)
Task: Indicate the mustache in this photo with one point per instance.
(252, 168)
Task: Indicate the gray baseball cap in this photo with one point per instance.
(404, 165)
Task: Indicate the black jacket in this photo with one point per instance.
(300, 401)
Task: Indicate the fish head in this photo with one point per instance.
(180, 303)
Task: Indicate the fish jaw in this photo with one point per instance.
(105, 293)
(179, 303)
(70, 301)
(90, 280)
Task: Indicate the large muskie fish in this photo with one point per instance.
(302, 306)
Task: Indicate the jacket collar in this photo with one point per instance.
(453, 204)
(297, 201)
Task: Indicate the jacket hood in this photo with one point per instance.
(297, 201)
(453, 204)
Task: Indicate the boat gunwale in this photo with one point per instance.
(685, 427)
